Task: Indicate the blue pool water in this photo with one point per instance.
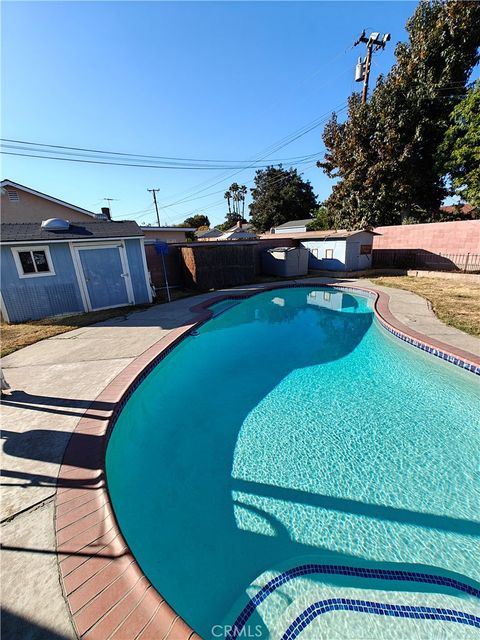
(294, 429)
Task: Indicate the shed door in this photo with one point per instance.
(105, 276)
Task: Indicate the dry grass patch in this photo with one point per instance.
(17, 336)
(456, 303)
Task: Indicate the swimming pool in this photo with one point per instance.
(293, 431)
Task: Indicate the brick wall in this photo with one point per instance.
(460, 237)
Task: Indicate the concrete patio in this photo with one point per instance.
(53, 383)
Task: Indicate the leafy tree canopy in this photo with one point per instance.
(197, 221)
(386, 153)
(460, 150)
(322, 220)
(280, 195)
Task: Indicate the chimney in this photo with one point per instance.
(106, 212)
(239, 224)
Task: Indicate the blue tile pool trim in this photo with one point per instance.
(468, 366)
(379, 609)
(361, 572)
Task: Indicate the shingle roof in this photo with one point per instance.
(210, 233)
(294, 223)
(32, 231)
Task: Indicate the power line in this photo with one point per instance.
(218, 202)
(89, 154)
(282, 143)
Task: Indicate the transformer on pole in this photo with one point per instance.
(374, 42)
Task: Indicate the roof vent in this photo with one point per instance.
(56, 224)
(13, 195)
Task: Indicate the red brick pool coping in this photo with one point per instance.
(107, 593)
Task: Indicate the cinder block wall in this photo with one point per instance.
(460, 237)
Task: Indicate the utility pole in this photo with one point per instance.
(154, 191)
(362, 71)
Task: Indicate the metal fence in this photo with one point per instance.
(425, 260)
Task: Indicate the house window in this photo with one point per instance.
(328, 254)
(33, 261)
(314, 253)
(365, 249)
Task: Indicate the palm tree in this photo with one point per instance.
(243, 192)
(228, 196)
(234, 189)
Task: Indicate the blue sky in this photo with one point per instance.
(200, 80)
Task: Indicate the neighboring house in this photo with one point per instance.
(239, 232)
(58, 268)
(166, 234)
(208, 235)
(336, 250)
(293, 226)
(22, 204)
(246, 226)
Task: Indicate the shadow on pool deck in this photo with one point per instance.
(15, 627)
(23, 400)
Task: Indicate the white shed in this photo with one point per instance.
(336, 250)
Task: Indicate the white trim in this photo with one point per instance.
(126, 270)
(3, 308)
(50, 241)
(81, 284)
(99, 245)
(81, 274)
(146, 271)
(37, 274)
(15, 185)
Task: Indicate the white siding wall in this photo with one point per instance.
(345, 253)
(318, 252)
(355, 261)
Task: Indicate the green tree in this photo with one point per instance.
(385, 154)
(460, 150)
(197, 221)
(322, 220)
(280, 195)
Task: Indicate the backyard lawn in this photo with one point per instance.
(454, 302)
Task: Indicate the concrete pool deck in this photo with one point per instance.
(53, 383)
